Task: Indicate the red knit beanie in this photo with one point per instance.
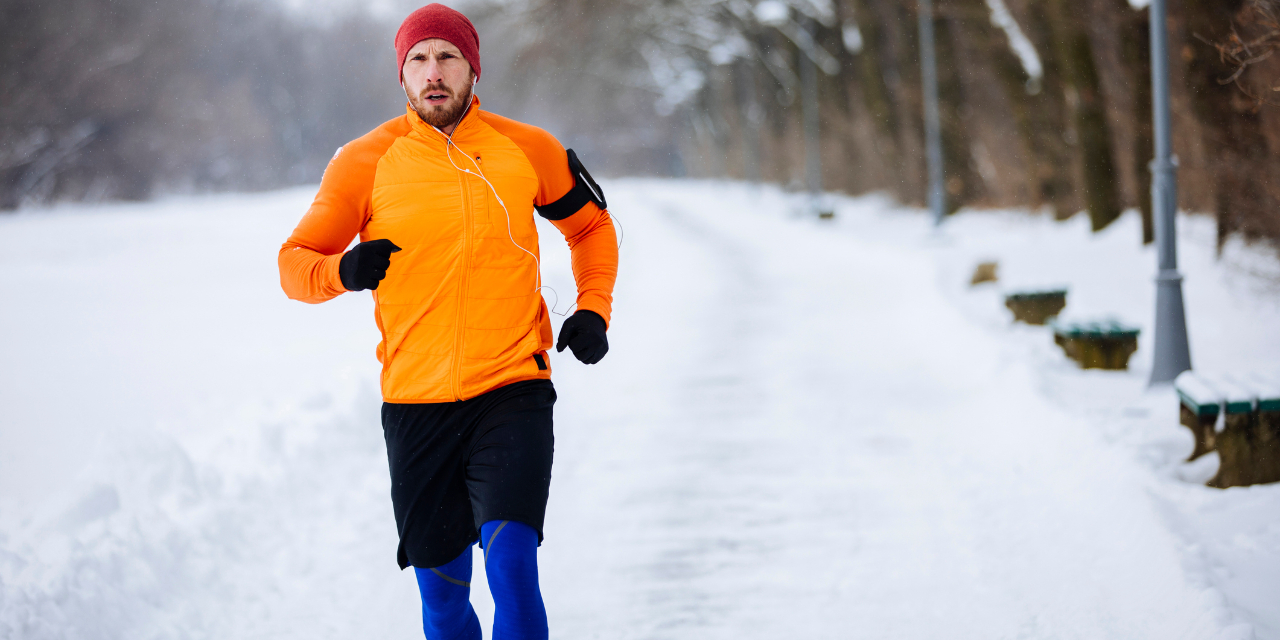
(438, 21)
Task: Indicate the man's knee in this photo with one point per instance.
(446, 600)
(511, 563)
(509, 543)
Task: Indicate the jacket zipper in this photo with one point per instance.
(455, 376)
(462, 289)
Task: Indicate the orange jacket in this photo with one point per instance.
(458, 310)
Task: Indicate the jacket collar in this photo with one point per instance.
(468, 121)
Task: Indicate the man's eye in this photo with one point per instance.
(419, 57)
(446, 56)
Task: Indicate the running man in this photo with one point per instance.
(442, 199)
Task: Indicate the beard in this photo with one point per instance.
(444, 115)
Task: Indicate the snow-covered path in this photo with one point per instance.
(801, 430)
(811, 443)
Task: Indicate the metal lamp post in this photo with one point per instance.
(1172, 355)
(932, 125)
(809, 109)
(812, 58)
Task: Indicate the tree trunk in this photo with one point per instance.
(1098, 172)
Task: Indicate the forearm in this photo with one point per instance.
(308, 275)
(309, 259)
(594, 249)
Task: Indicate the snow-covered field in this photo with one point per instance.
(804, 429)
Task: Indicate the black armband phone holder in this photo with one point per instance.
(584, 190)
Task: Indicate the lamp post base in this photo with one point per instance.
(1172, 356)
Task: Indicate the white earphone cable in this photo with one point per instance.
(479, 173)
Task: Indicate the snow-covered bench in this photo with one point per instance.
(1239, 417)
(1035, 306)
(1100, 344)
(985, 272)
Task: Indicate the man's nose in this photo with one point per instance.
(434, 73)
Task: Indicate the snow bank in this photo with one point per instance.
(1230, 539)
(181, 447)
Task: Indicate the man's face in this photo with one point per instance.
(437, 81)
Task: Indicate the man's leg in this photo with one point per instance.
(511, 564)
(446, 601)
(427, 448)
(509, 478)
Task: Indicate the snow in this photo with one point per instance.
(772, 13)
(677, 77)
(1256, 386)
(851, 36)
(1197, 389)
(1018, 41)
(803, 428)
(1238, 396)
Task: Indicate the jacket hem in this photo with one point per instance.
(541, 375)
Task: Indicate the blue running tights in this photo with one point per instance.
(446, 600)
(511, 564)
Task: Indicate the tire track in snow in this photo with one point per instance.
(713, 482)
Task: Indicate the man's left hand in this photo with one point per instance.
(583, 333)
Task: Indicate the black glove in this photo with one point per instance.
(365, 265)
(583, 333)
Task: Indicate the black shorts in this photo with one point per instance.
(457, 465)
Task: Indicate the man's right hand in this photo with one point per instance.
(365, 265)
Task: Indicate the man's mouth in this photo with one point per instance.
(437, 98)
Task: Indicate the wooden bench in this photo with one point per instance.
(1199, 406)
(1237, 416)
(1105, 344)
(985, 272)
(1036, 306)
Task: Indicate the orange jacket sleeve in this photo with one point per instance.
(594, 250)
(309, 258)
(589, 231)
